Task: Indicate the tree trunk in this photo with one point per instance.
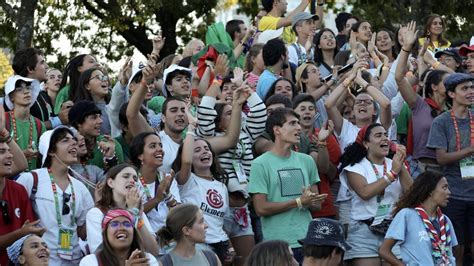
(167, 21)
(25, 24)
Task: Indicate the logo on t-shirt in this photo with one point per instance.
(214, 198)
(17, 213)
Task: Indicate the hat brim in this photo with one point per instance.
(343, 245)
(465, 50)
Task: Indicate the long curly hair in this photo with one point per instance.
(419, 191)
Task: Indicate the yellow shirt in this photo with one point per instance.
(435, 43)
(270, 23)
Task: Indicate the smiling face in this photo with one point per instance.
(224, 121)
(174, 117)
(364, 107)
(98, 84)
(81, 145)
(34, 252)
(307, 113)
(152, 151)
(307, 27)
(283, 87)
(378, 143)
(227, 94)
(436, 26)
(66, 150)
(202, 156)
(91, 126)
(54, 80)
(123, 182)
(6, 160)
(384, 42)
(120, 233)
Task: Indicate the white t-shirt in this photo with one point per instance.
(91, 260)
(213, 199)
(293, 54)
(46, 210)
(94, 228)
(157, 216)
(348, 135)
(366, 209)
(170, 149)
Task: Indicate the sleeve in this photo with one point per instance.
(292, 54)
(256, 119)
(94, 228)
(119, 152)
(313, 171)
(85, 205)
(89, 260)
(258, 179)
(63, 96)
(119, 97)
(268, 23)
(454, 240)
(437, 138)
(26, 180)
(148, 225)
(174, 190)
(151, 260)
(206, 115)
(356, 168)
(263, 86)
(397, 104)
(398, 226)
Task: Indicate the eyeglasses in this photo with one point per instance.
(5, 214)
(365, 102)
(23, 88)
(66, 199)
(116, 224)
(100, 77)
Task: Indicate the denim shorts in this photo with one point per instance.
(345, 208)
(234, 229)
(364, 243)
(461, 214)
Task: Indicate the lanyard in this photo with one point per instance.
(15, 132)
(147, 191)
(380, 196)
(56, 201)
(456, 129)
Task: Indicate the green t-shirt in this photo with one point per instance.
(63, 96)
(156, 104)
(125, 148)
(23, 136)
(282, 179)
(98, 158)
(402, 120)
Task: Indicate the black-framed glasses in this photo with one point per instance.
(5, 214)
(66, 199)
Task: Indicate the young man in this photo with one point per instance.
(60, 201)
(304, 25)
(17, 218)
(468, 52)
(324, 244)
(344, 22)
(20, 94)
(284, 183)
(275, 58)
(452, 137)
(30, 63)
(104, 152)
(274, 19)
(450, 58)
(237, 30)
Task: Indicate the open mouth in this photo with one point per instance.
(42, 255)
(384, 146)
(205, 158)
(73, 151)
(159, 156)
(470, 98)
(121, 236)
(130, 185)
(229, 99)
(180, 121)
(8, 163)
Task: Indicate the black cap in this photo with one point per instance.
(451, 52)
(325, 232)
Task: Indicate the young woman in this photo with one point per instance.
(272, 253)
(425, 234)
(236, 161)
(43, 107)
(60, 201)
(29, 250)
(377, 182)
(185, 224)
(325, 51)
(70, 78)
(254, 65)
(433, 30)
(122, 243)
(282, 86)
(119, 191)
(424, 110)
(159, 189)
(385, 43)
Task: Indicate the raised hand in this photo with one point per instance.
(222, 65)
(107, 146)
(410, 36)
(326, 130)
(125, 72)
(399, 159)
(158, 43)
(33, 228)
(64, 112)
(241, 94)
(238, 76)
(137, 258)
(133, 198)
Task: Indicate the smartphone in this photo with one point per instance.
(342, 70)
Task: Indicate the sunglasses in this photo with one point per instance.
(66, 199)
(5, 214)
(116, 224)
(100, 77)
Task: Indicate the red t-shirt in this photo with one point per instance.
(19, 210)
(324, 186)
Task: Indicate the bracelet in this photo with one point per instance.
(134, 211)
(216, 81)
(436, 65)
(385, 177)
(346, 84)
(140, 224)
(395, 175)
(298, 202)
(405, 51)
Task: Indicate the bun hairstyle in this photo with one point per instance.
(179, 217)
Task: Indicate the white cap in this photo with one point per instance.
(136, 68)
(168, 71)
(10, 87)
(44, 142)
(267, 35)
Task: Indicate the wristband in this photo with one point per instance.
(191, 133)
(436, 65)
(140, 224)
(405, 51)
(298, 203)
(55, 121)
(134, 211)
(216, 81)
(395, 175)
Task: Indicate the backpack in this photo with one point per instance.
(210, 256)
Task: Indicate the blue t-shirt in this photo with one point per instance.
(415, 243)
(265, 82)
(443, 136)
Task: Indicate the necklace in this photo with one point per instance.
(15, 132)
(380, 196)
(456, 129)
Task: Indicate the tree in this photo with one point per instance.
(23, 17)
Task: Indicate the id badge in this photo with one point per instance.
(467, 168)
(239, 171)
(65, 244)
(382, 212)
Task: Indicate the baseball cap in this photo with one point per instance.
(302, 16)
(170, 70)
(10, 86)
(325, 232)
(455, 79)
(465, 50)
(136, 69)
(267, 35)
(451, 52)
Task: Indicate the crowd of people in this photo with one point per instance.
(279, 143)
